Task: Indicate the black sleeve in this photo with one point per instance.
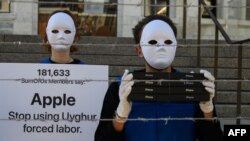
(105, 130)
(208, 130)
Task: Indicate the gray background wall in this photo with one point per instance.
(119, 53)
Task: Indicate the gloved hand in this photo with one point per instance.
(124, 107)
(207, 106)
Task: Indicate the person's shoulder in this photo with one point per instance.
(119, 78)
(139, 70)
(113, 90)
(174, 70)
(81, 62)
(77, 61)
(114, 84)
(45, 61)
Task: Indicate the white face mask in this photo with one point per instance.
(158, 44)
(61, 31)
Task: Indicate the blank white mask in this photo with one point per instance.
(158, 44)
(61, 31)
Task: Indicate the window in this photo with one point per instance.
(98, 18)
(212, 7)
(67, 4)
(153, 7)
(94, 17)
(248, 10)
(4, 6)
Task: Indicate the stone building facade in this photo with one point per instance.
(22, 17)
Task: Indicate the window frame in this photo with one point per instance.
(109, 26)
(148, 6)
(9, 6)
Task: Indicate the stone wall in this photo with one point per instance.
(119, 53)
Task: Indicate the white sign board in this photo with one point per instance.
(50, 101)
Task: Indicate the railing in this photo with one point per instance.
(218, 28)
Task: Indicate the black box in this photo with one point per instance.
(168, 87)
(168, 76)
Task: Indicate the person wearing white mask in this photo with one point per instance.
(156, 36)
(61, 33)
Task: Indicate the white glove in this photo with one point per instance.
(207, 106)
(125, 88)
